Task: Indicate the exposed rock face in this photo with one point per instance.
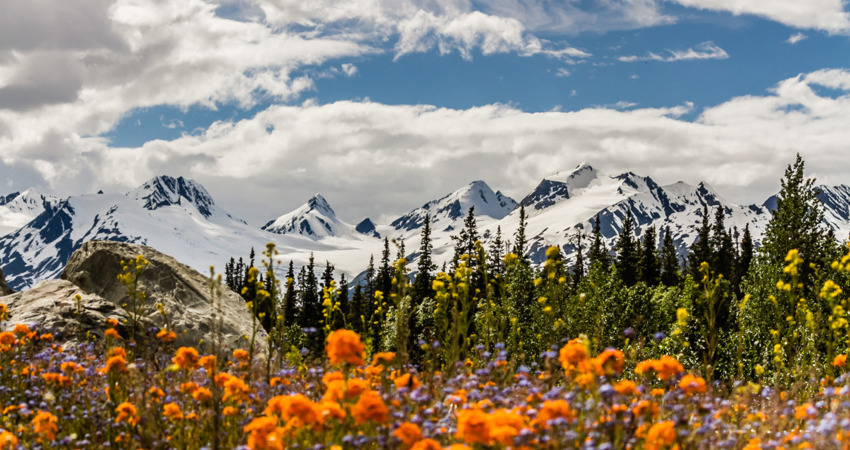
(4, 290)
(183, 292)
(51, 305)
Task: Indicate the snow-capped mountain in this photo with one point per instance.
(836, 201)
(18, 208)
(179, 217)
(172, 214)
(315, 219)
(450, 210)
(565, 204)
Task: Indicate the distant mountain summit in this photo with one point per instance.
(18, 208)
(164, 191)
(315, 219)
(445, 212)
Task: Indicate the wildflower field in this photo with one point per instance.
(79, 397)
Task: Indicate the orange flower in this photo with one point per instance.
(473, 426)
(331, 410)
(408, 433)
(127, 413)
(427, 444)
(186, 358)
(609, 362)
(240, 354)
(229, 411)
(112, 333)
(188, 387)
(115, 363)
(208, 362)
(625, 387)
(8, 440)
(344, 346)
(264, 434)
(44, 425)
(407, 380)
(505, 426)
(753, 444)
(332, 376)
(665, 367)
(805, 411)
(691, 384)
(370, 407)
(118, 351)
(70, 366)
(573, 354)
(202, 395)
(57, 378)
(235, 389)
(172, 411)
(7, 338)
(645, 407)
(166, 336)
(112, 322)
(553, 409)
(840, 361)
(338, 390)
(383, 358)
(21, 329)
(660, 435)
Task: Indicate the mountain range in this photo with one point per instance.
(178, 217)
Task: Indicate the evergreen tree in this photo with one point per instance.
(357, 310)
(340, 317)
(496, 260)
(627, 261)
(384, 280)
(669, 260)
(723, 246)
(289, 306)
(742, 263)
(520, 241)
(311, 317)
(598, 251)
(701, 250)
(425, 265)
(228, 274)
(466, 239)
(578, 267)
(797, 223)
(650, 270)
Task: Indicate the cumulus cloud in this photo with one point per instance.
(796, 37)
(399, 156)
(705, 50)
(825, 15)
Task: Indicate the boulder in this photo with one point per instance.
(184, 293)
(4, 289)
(51, 305)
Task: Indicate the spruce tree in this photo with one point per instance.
(650, 270)
(701, 250)
(578, 268)
(598, 251)
(357, 310)
(425, 265)
(723, 246)
(385, 272)
(669, 260)
(289, 307)
(467, 238)
(520, 241)
(311, 317)
(496, 259)
(742, 263)
(341, 317)
(627, 262)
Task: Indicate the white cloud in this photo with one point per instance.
(353, 151)
(825, 15)
(705, 50)
(349, 69)
(562, 72)
(796, 37)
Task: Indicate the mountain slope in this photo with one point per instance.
(315, 219)
(18, 208)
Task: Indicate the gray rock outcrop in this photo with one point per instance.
(51, 305)
(184, 293)
(4, 289)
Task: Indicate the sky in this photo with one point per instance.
(383, 105)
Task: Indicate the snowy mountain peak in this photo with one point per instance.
(314, 219)
(454, 207)
(708, 194)
(164, 191)
(367, 227)
(18, 208)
